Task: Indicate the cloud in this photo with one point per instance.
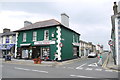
(15, 19)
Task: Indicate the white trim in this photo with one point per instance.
(58, 41)
(16, 44)
(116, 39)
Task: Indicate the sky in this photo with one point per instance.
(90, 18)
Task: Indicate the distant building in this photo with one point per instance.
(45, 38)
(115, 33)
(86, 48)
(0, 45)
(8, 40)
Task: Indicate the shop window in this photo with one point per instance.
(24, 37)
(46, 35)
(34, 36)
(74, 51)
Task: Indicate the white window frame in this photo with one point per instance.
(24, 37)
(73, 38)
(35, 36)
(46, 37)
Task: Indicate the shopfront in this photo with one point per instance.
(7, 49)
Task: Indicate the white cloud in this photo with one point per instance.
(15, 19)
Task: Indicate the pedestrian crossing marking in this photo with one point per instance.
(98, 69)
(79, 68)
(93, 64)
(88, 69)
(109, 70)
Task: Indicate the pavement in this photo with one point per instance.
(110, 63)
(43, 63)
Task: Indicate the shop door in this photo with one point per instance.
(45, 53)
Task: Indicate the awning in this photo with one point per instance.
(6, 46)
(25, 44)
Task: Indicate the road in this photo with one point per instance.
(85, 68)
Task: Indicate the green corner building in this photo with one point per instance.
(45, 38)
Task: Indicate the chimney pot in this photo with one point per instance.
(115, 8)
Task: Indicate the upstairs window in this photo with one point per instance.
(34, 36)
(24, 37)
(7, 39)
(46, 35)
(73, 38)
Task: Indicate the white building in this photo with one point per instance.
(8, 42)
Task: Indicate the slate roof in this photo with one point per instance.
(43, 24)
(8, 33)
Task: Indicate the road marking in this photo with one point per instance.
(70, 68)
(22, 69)
(30, 70)
(88, 69)
(81, 66)
(93, 64)
(109, 70)
(98, 69)
(40, 71)
(81, 76)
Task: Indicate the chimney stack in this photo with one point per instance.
(119, 7)
(65, 19)
(115, 8)
(5, 30)
(27, 23)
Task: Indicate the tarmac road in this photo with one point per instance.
(85, 68)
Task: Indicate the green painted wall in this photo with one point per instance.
(67, 49)
(66, 34)
(40, 37)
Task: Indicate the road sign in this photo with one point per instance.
(61, 45)
(110, 42)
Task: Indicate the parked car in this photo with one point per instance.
(92, 54)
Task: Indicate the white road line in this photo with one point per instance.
(81, 66)
(108, 70)
(22, 69)
(93, 64)
(88, 69)
(81, 76)
(30, 70)
(40, 71)
(70, 68)
(98, 69)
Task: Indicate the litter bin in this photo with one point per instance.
(7, 58)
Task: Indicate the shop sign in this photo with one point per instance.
(76, 44)
(44, 42)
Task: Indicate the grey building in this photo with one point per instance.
(115, 34)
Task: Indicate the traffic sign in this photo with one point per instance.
(110, 42)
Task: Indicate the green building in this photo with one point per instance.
(45, 38)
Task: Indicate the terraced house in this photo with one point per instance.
(45, 38)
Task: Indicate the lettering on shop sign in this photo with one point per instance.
(44, 42)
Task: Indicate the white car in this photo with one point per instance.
(92, 54)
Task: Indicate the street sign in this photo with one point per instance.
(110, 42)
